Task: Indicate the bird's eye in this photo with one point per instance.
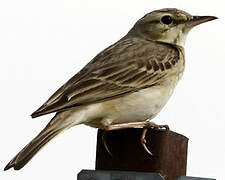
(166, 20)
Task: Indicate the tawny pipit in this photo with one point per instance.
(123, 86)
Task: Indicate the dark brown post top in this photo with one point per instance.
(169, 152)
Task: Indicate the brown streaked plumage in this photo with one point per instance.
(123, 86)
(110, 74)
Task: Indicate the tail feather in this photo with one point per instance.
(26, 154)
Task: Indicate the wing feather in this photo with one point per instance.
(125, 67)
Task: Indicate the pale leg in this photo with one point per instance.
(143, 124)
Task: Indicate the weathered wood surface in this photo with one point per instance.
(169, 152)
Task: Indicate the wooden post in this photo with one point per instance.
(169, 152)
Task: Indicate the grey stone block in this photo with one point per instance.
(125, 175)
(117, 175)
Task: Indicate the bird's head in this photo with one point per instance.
(168, 25)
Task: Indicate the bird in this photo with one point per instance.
(124, 86)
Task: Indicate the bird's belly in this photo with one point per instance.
(138, 106)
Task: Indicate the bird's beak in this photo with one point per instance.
(196, 20)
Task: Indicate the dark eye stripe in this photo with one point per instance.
(154, 22)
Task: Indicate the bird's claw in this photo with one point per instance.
(143, 141)
(104, 134)
(152, 125)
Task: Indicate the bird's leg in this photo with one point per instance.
(117, 127)
(150, 125)
(142, 124)
(139, 124)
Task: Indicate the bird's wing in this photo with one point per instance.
(125, 67)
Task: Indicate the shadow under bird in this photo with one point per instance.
(125, 85)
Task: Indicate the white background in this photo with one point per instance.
(44, 43)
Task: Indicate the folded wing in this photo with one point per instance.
(125, 67)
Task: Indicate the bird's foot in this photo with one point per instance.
(151, 125)
(143, 124)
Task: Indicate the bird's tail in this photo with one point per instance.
(54, 127)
